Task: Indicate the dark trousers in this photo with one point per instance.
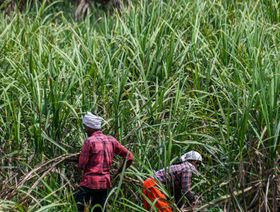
(90, 197)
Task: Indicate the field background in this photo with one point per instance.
(167, 76)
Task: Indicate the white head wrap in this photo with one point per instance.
(191, 155)
(92, 121)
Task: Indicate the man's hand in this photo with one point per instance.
(125, 165)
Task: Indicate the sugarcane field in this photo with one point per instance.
(139, 106)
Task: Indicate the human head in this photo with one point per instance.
(192, 157)
(92, 123)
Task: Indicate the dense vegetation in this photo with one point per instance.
(168, 76)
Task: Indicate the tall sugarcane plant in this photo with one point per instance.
(167, 76)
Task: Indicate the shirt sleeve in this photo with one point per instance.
(84, 156)
(122, 151)
(186, 181)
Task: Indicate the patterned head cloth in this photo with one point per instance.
(191, 155)
(92, 121)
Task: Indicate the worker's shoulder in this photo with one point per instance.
(111, 138)
(188, 167)
(102, 138)
(182, 166)
(105, 137)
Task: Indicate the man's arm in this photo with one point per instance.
(125, 154)
(84, 156)
(125, 163)
(186, 186)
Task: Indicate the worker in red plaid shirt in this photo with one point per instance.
(95, 161)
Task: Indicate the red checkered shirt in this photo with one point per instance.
(179, 175)
(96, 158)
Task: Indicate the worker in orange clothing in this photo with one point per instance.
(178, 177)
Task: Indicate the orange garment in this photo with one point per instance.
(154, 194)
